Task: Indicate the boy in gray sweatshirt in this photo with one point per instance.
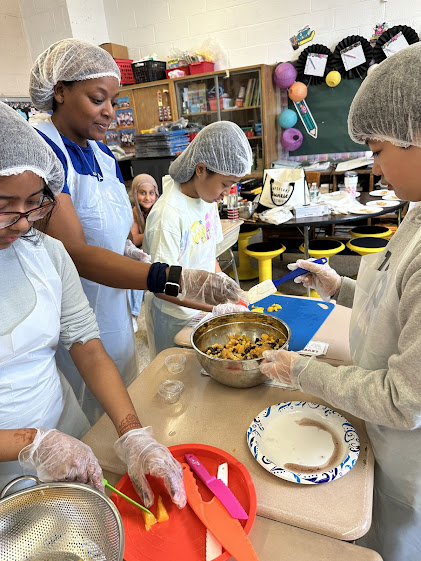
(383, 385)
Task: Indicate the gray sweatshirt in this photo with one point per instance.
(392, 396)
(17, 297)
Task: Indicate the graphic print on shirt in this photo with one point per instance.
(200, 232)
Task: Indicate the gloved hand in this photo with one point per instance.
(130, 250)
(143, 454)
(56, 456)
(278, 365)
(322, 278)
(229, 308)
(209, 288)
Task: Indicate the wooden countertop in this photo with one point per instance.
(291, 518)
(340, 509)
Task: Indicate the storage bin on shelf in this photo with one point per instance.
(149, 70)
(212, 103)
(126, 71)
(201, 67)
(185, 69)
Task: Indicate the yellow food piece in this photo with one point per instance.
(258, 309)
(149, 520)
(161, 511)
(241, 347)
(274, 308)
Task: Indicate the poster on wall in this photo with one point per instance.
(124, 117)
(123, 102)
(111, 138)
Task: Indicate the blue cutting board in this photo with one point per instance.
(302, 315)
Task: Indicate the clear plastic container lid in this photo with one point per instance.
(170, 390)
(175, 363)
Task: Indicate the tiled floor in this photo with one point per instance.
(344, 264)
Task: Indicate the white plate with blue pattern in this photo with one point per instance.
(303, 442)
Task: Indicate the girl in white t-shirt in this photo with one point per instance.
(183, 227)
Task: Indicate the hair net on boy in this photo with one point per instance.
(222, 147)
(387, 106)
(22, 149)
(68, 60)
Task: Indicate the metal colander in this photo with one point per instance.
(59, 522)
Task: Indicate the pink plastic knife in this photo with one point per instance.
(218, 488)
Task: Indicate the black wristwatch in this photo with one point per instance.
(172, 286)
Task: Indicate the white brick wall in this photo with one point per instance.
(87, 20)
(15, 59)
(248, 31)
(46, 21)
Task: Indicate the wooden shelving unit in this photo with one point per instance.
(144, 101)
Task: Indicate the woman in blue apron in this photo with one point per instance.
(80, 82)
(383, 385)
(42, 303)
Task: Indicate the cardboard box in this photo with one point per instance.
(311, 210)
(116, 51)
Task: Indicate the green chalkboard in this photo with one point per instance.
(329, 107)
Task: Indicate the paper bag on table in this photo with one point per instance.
(284, 187)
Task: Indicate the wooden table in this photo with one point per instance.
(211, 413)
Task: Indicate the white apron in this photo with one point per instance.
(397, 482)
(105, 213)
(31, 391)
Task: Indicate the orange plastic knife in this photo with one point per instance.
(227, 530)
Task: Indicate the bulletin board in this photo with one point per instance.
(329, 107)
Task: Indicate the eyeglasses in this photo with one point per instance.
(10, 218)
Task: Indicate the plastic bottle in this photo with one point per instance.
(314, 193)
(232, 206)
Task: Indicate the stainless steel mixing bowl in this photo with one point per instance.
(236, 373)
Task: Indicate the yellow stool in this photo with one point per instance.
(245, 271)
(264, 253)
(322, 248)
(367, 245)
(371, 231)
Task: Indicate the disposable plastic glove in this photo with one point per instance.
(278, 365)
(229, 308)
(143, 454)
(209, 288)
(56, 456)
(322, 278)
(130, 250)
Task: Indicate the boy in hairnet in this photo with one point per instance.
(383, 386)
(183, 226)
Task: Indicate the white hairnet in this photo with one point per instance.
(68, 60)
(222, 147)
(387, 106)
(22, 149)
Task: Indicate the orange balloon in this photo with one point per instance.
(297, 92)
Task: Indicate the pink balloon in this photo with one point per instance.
(291, 139)
(284, 75)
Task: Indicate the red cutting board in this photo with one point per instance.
(183, 536)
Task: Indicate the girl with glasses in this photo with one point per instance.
(42, 303)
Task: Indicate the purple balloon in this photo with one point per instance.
(284, 75)
(291, 139)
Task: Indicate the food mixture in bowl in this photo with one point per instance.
(241, 347)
